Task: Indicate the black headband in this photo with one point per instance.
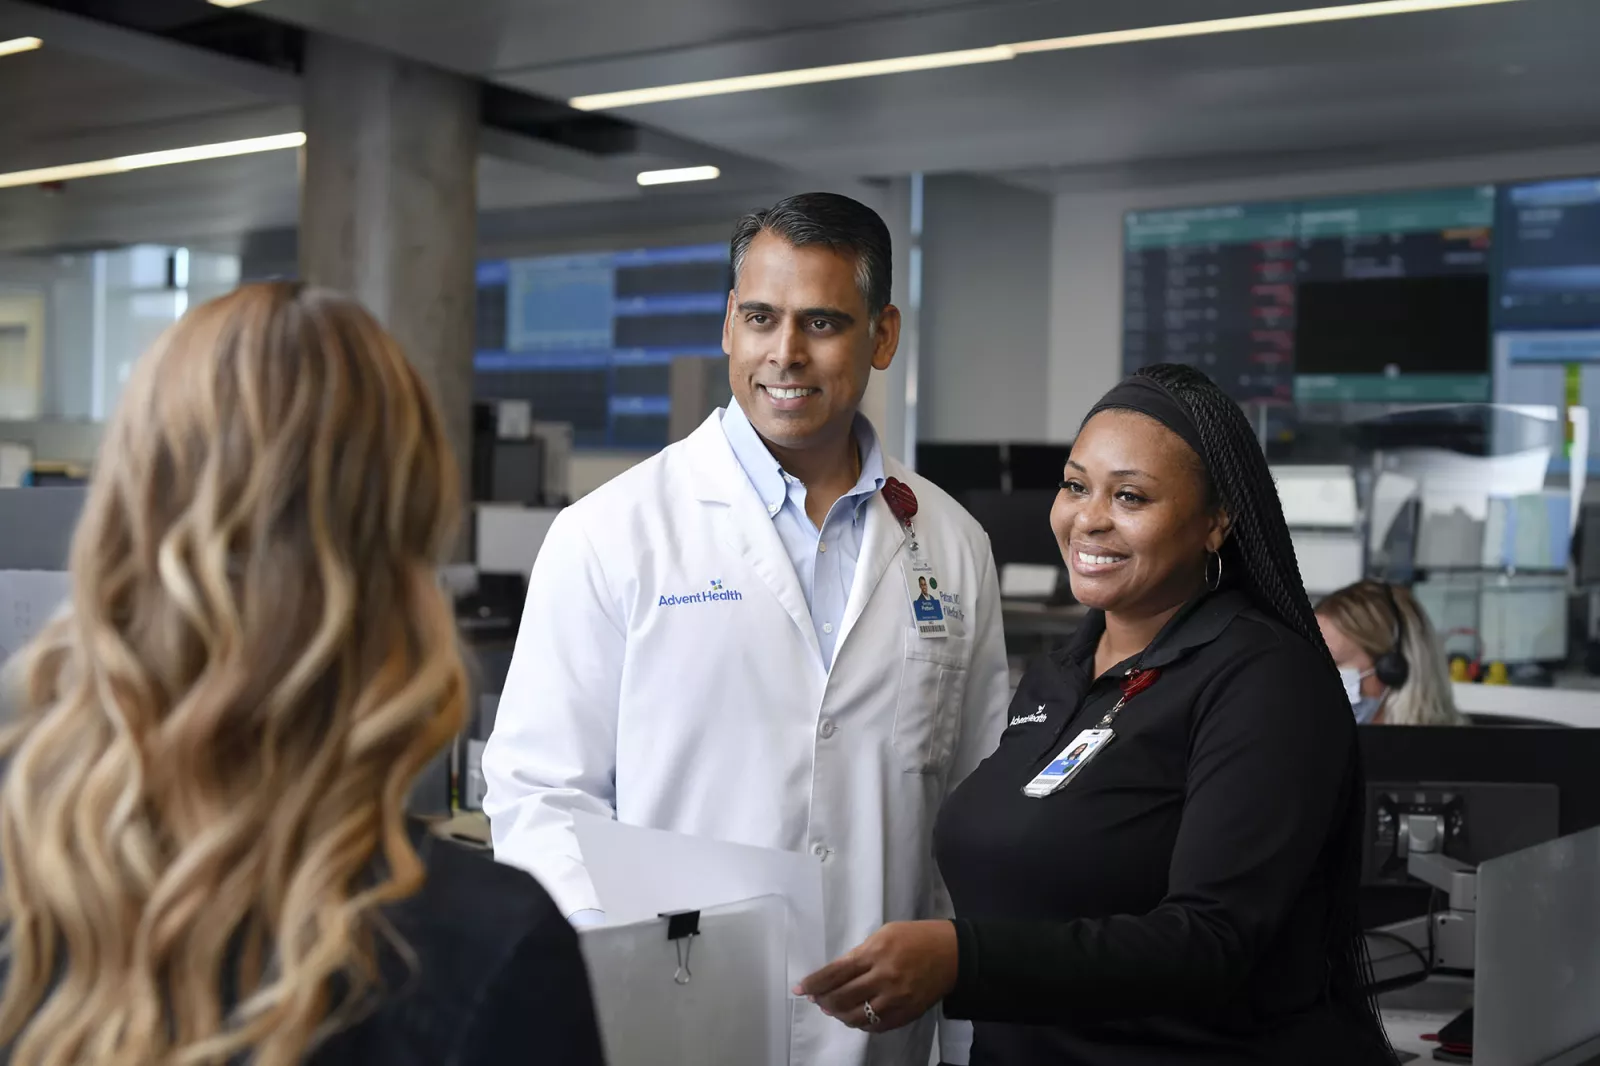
(1145, 396)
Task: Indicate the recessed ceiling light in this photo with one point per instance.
(999, 53)
(231, 3)
(669, 177)
(124, 163)
(19, 44)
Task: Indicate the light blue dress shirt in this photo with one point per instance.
(824, 559)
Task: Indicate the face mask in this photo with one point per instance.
(1365, 708)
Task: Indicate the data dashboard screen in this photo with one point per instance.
(1548, 275)
(590, 339)
(1377, 297)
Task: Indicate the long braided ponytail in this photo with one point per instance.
(1258, 552)
(1259, 556)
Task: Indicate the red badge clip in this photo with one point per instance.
(901, 500)
(1133, 683)
(1137, 681)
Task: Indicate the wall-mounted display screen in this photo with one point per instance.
(1548, 264)
(590, 339)
(1382, 297)
(1435, 296)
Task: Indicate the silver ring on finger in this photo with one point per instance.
(872, 1015)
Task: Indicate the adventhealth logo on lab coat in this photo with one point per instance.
(714, 593)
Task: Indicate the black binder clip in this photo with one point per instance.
(682, 928)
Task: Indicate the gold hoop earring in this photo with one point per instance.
(1213, 583)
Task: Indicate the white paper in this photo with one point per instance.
(733, 1010)
(1454, 482)
(641, 873)
(27, 600)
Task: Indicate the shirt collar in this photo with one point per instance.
(1197, 623)
(766, 474)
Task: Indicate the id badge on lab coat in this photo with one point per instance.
(923, 584)
(1065, 766)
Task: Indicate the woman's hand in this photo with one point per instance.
(901, 970)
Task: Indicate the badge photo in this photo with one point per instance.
(1065, 766)
(927, 610)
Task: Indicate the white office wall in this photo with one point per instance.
(985, 340)
(1086, 249)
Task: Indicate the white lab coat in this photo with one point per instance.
(633, 695)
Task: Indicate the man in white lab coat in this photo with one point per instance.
(724, 641)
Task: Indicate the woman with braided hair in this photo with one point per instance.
(1186, 893)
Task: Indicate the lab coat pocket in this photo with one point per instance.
(928, 710)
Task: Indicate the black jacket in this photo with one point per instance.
(499, 978)
(1175, 901)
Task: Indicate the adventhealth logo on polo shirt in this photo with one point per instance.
(1036, 718)
(711, 595)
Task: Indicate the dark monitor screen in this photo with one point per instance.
(1037, 467)
(961, 468)
(1409, 325)
(1018, 524)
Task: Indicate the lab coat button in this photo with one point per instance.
(827, 728)
(818, 850)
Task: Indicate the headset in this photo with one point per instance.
(1392, 667)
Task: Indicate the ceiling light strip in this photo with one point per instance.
(1272, 20)
(785, 78)
(671, 177)
(19, 44)
(1000, 53)
(122, 164)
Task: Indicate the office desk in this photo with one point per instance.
(1409, 1014)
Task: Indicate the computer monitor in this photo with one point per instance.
(1037, 467)
(1018, 524)
(1496, 781)
(961, 468)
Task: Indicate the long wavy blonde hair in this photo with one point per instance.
(206, 785)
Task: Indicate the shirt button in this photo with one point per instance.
(828, 728)
(772, 508)
(818, 850)
(827, 627)
(822, 545)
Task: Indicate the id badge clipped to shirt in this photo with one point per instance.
(926, 607)
(1089, 743)
(1065, 766)
(927, 610)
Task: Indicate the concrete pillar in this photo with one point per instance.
(389, 207)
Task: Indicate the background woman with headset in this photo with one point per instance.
(1391, 662)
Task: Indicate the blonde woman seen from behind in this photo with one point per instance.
(1392, 662)
(203, 840)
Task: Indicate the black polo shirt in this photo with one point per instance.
(1170, 903)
